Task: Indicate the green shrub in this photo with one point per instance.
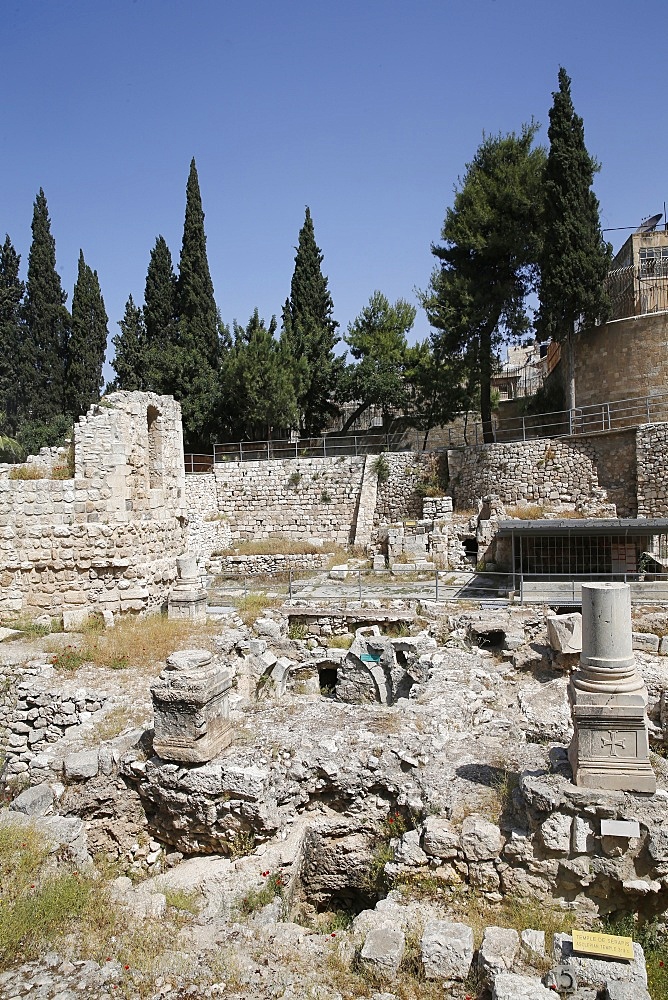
(381, 467)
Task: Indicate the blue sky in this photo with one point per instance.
(365, 110)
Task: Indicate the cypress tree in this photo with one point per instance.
(11, 375)
(160, 320)
(130, 362)
(197, 311)
(47, 323)
(309, 334)
(575, 257)
(87, 344)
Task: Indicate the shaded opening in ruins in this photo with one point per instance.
(470, 547)
(494, 639)
(327, 679)
(154, 426)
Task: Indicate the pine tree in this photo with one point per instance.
(196, 305)
(11, 375)
(478, 293)
(87, 344)
(130, 360)
(160, 320)
(309, 334)
(258, 393)
(575, 257)
(47, 323)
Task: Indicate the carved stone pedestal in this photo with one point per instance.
(609, 748)
(191, 708)
(187, 601)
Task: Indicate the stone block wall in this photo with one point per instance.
(107, 539)
(299, 498)
(652, 471)
(398, 497)
(623, 359)
(524, 471)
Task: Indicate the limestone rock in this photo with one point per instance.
(447, 950)
(615, 990)
(564, 632)
(35, 801)
(480, 839)
(498, 951)
(383, 949)
(555, 833)
(81, 765)
(508, 986)
(533, 942)
(267, 627)
(440, 839)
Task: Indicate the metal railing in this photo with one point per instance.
(598, 417)
(635, 291)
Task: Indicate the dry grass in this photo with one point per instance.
(118, 720)
(253, 606)
(277, 545)
(28, 472)
(139, 643)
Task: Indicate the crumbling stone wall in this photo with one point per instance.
(399, 498)
(108, 538)
(652, 473)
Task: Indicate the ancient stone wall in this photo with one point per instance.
(399, 497)
(636, 348)
(523, 471)
(108, 538)
(652, 472)
(299, 498)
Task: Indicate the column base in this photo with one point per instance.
(609, 748)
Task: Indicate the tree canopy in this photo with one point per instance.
(477, 297)
(87, 343)
(377, 341)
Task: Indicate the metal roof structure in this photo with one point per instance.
(631, 526)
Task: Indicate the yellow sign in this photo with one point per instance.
(607, 945)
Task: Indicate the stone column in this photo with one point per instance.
(187, 599)
(609, 748)
(191, 713)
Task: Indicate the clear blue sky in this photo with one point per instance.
(365, 110)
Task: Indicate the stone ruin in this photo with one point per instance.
(105, 540)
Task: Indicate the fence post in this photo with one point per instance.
(324, 447)
(359, 584)
(436, 582)
(647, 407)
(267, 451)
(356, 446)
(245, 590)
(241, 452)
(570, 422)
(290, 583)
(524, 429)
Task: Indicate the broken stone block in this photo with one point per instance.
(191, 708)
(564, 632)
(614, 990)
(268, 627)
(82, 765)
(75, 618)
(480, 839)
(440, 839)
(555, 833)
(508, 986)
(583, 840)
(646, 642)
(533, 942)
(498, 951)
(383, 950)
(447, 950)
(35, 801)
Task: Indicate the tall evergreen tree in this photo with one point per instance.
(160, 320)
(87, 344)
(196, 304)
(129, 362)
(575, 257)
(47, 324)
(309, 334)
(258, 393)
(478, 293)
(11, 375)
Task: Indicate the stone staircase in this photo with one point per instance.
(366, 504)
